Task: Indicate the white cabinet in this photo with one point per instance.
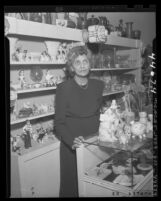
(38, 173)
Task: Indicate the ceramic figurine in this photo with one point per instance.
(62, 53)
(138, 129)
(41, 133)
(22, 78)
(24, 56)
(45, 56)
(14, 143)
(16, 55)
(48, 78)
(109, 123)
(27, 133)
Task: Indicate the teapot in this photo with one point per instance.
(92, 21)
(70, 23)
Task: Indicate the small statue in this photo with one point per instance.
(45, 57)
(24, 56)
(22, 78)
(14, 144)
(41, 133)
(48, 78)
(27, 133)
(16, 55)
(62, 53)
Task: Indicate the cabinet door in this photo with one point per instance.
(40, 175)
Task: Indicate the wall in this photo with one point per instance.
(143, 21)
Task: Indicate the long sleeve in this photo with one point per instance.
(61, 129)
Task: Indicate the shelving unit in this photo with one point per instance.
(39, 30)
(31, 118)
(113, 69)
(32, 169)
(112, 93)
(35, 63)
(35, 90)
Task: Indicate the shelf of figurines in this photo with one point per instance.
(37, 89)
(32, 138)
(114, 69)
(20, 27)
(16, 120)
(44, 111)
(14, 63)
(121, 129)
(108, 93)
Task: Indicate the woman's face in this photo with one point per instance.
(81, 66)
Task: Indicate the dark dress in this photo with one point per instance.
(77, 114)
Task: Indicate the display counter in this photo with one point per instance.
(110, 170)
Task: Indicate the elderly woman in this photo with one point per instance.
(78, 102)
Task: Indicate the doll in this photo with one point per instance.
(27, 132)
(22, 78)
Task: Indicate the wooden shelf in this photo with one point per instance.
(36, 63)
(31, 118)
(35, 90)
(36, 29)
(41, 30)
(111, 93)
(123, 42)
(113, 69)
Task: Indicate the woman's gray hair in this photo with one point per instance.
(74, 53)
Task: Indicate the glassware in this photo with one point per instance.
(129, 29)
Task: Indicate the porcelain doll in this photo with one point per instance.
(22, 78)
(109, 123)
(62, 53)
(48, 78)
(27, 133)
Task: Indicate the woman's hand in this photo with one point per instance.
(77, 142)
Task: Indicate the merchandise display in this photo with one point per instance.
(126, 129)
(121, 126)
(27, 133)
(35, 109)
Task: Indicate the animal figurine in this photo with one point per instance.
(41, 133)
